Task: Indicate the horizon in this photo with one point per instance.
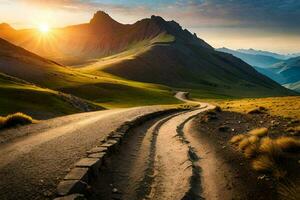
(278, 35)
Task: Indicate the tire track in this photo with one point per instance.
(156, 162)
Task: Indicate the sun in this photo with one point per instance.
(44, 28)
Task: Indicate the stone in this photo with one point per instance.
(97, 150)
(71, 187)
(97, 155)
(78, 173)
(92, 163)
(72, 197)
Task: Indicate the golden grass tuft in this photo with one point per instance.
(237, 138)
(263, 163)
(243, 143)
(288, 144)
(269, 146)
(251, 150)
(260, 132)
(15, 120)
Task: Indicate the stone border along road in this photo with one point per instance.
(75, 183)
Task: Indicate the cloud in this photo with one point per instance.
(267, 14)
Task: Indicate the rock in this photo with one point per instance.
(114, 190)
(97, 150)
(259, 110)
(71, 187)
(77, 173)
(92, 163)
(97, 155)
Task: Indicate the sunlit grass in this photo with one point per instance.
(279, 106)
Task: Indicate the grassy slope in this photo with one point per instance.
(279, 106)
(210, 74)
(102, 89)
(19, 96)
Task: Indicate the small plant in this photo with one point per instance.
(260, 132)
(288, 144)
(237, 138)
(263, 163)
(15, 120)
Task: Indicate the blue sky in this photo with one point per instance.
(265, 24)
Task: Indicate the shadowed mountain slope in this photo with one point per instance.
(101, 89)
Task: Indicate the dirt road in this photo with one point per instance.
(156, 162)
(32, 164)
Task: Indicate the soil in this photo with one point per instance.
(226, 174)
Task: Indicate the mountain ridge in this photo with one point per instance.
(153, 51)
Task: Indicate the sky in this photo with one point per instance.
(272, 25)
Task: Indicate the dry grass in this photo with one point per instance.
(15, 120)
(268, 146)
(260, 132)
(251, 150)
(237, 138)
(263, 163)
(244, 143)
(278, 106)
(266, 154)
(288, 144)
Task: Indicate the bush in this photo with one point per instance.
(237, 138)
(259, 132)
(288, 144)
(263, 163)
(15, 120)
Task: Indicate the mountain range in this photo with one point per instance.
(284, 71)
(104, 62)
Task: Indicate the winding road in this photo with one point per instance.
(157, 161)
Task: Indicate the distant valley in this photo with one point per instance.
(284, 69)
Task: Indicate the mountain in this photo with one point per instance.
(293, 86)
(289, 69)
(259, 60)
(82, 90)
(152, 51)
(265, 53)
(100, 37)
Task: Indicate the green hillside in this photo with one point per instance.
(102, 89)
(20, 96)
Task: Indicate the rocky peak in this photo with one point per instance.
(5, 26)
(102, 19)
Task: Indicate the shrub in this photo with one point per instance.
(288, 144)
(259, 132)
(2, 121)
(263, 163)
(237, 138)
(269, 146)
(251, 150)
(14, 120)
